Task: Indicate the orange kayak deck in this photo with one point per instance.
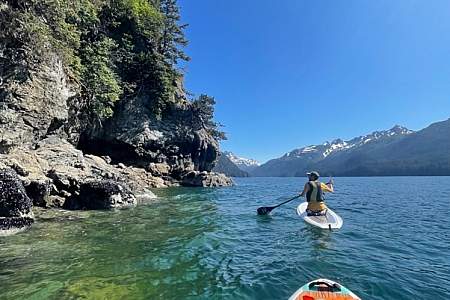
(323, 289)
(310, 295)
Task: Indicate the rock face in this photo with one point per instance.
(34, 103)
(15, 205)
(171, 146)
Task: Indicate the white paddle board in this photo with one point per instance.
(328, 221)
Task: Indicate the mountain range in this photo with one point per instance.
(226, 166)
(245, 164)
(394, 152)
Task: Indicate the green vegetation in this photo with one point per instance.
(203, 110)
(113, 49)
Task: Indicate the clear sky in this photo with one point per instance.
(290, 73)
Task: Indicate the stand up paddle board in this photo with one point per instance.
(328, 221)
(323, 289)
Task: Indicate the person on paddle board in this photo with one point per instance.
(314, 190)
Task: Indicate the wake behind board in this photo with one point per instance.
(329, 221)
(323, 289)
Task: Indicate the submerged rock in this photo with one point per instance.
(15, 206)
(105, 194)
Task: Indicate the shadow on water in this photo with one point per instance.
(321, 239)
(265, 219)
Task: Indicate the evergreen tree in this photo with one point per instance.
(172, 34)
(203, 111)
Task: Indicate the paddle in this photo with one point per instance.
(267, 209)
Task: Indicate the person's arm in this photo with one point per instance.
(329, 186)
(305, 190)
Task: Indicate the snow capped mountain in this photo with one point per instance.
(226, 166)
(329, 148)
(330, 154)
(245, 164)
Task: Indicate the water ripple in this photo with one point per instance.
(210, 244)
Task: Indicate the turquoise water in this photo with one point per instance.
(210, 244)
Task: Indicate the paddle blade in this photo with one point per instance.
(264, 210)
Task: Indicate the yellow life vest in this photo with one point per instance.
(314, 196)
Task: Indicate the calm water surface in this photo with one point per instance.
(210, 244)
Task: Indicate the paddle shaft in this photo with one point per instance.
(286, 201)
(268, 209)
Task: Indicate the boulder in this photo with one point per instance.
(205, 179)
(146, 196)
(15, 206)
(159, 169)
(104, 194)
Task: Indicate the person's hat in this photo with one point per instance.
(315, 173)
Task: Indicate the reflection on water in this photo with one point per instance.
(320, 239)
(210, 244)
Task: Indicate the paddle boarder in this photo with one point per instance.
(314, 190)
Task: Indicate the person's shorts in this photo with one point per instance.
(316, 212)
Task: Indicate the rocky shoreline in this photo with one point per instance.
(57, 175)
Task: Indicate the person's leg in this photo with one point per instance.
(312, 213)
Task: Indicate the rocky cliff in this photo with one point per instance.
(66, 147)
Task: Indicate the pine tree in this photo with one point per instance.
(172, 34)
(203, 110)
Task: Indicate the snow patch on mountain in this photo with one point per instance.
(334, 146)
(240, 161)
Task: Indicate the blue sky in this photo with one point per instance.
(290, 73)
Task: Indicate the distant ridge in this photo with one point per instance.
(397, 151)
(226, 166)
(245, 164)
